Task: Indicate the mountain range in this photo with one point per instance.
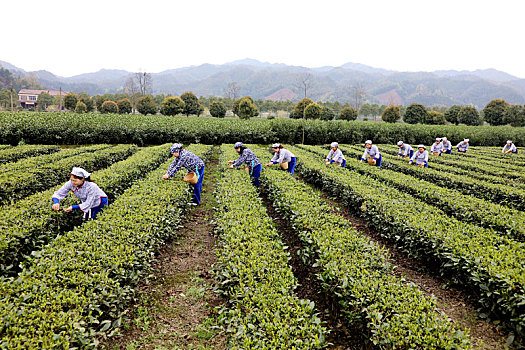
(276, 80)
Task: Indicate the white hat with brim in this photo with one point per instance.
(421, 146)
(466, 140)
(276, 145)
(400, 143)
(334, 144)
(438, 139)
(237, 145)
(368, 142)
(509, 141)
(79, 172)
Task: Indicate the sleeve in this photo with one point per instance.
(274, 158)
(433, 147)
(282, 155)
(466, 146)
(406, 151)
(504, 147)
(401, 151)
(364, 155)
(330, 154)
(426, 157)
(241, 159)
(457, 146)
(174, 167)
(414, 156)
(61, 193)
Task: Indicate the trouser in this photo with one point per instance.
(343, 164)
(411, 154)
(256, 174)
(92, 213)
(516, 152)
(449, 151)
(197, 188)
(291, 166)
(378, 162)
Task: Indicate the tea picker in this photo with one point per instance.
(405, 150)
(284, 157)
(437, 147)
(509, 147)
(374, 157)
(420, 157)
(193, 164)
(463, 146)
(253, 165)
(335, 156)
(93, 199)
(447, 146)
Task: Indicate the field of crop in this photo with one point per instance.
(324, 259)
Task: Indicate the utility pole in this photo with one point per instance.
(304, 113)
(11, 94)
(60, 99)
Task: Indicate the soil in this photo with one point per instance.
(175, 307)
(457, 304)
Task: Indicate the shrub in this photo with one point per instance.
(172, 106)
(70, 101)
(348, 113)
(494, 111)
(124, 106)
(435, 118)
(298, 111)
(514, 115)
(415, 113)
(146, 105)
(191, 104)
(313, 111)
(81, 107)
(88, 101)
(451, 115)
(247, 109)
(391, 114)
(218, 109)
(469, 115)
(327, 113)
(109, 107)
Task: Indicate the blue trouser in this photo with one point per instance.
(291, 166)
(197, 188)
(92, 213)
(256, 174)
(411, 154)
(449, 151)
(343, 164)
(516, 151)
(379, 161)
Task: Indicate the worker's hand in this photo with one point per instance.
(360, 161)
(327, 162)
(231, 166)
(55, 206)
(67, 210)
(268, 164)
(409, 163)
(230, 162)
(165, 176)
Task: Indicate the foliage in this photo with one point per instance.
(124, 106)
(172, 106)
(298, 111)
(218, 109)
(81, 107)
(146, 105)
(348, 113)
(247, 109)
(252, 270)
(235, 106)
(87, 276)
(13, 154)
(70, 101)
(469, 115)
(109, 107)
(88, 101)
(391, 114)
(415, 114)
(451, 114)
(191, 104)
(313, 111)
(99, 100)
(435, 118)
(327, 113)
(44, 100)
(494, 111)
(514, 115)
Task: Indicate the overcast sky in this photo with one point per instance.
(73, 37)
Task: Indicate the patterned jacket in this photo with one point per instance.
(247, 156)
(283, 155)
(187, 160)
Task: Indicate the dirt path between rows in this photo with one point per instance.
(456, 304)
(175, 308)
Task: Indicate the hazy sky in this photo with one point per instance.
(72, 37)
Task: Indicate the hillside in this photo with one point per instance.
(267, 80)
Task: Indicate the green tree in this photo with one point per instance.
(124, 106)
(109, 107)
(435, 118)
(172, 106)
(81, 107)
(451, 114)
(70, 101)
(348, 113)
(469, 115)
(236, 102)
(99, 100)
(391, 114)
(247, 109)
(218, 109)
(494, 111)
(312, 111)
(44, 100)
(298, 111)
(5, 98)
(191, 104)
(415, 113)
(87, 100)
(146, 105)
(514, 115)
(327, 113)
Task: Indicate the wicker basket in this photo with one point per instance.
(191, 178)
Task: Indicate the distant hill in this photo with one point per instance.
(277, 80)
